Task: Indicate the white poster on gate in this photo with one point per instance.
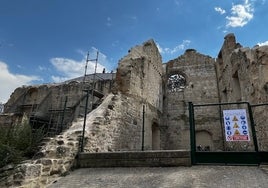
(236, 125)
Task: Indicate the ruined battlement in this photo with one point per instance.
(140, 74)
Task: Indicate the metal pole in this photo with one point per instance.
(93, 82)
(143, 120)
(222, 128)
(192, 132)
(87, 96)
(87, 60)
(253, 128)
(84, 125)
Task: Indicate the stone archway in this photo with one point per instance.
(204, 140)
(155, 137)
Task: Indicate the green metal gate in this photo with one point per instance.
(223, 133)
(261, 126)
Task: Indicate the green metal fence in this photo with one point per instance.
(217, 139)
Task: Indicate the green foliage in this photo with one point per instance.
(9, 155)
(19, 142)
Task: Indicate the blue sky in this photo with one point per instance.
(46, 41)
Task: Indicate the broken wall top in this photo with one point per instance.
(140, 72)
(191, 58)
(247, 67)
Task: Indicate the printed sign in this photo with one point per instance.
(236, 125)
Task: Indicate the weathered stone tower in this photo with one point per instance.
(139, 78)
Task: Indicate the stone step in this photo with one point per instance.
(135, 159)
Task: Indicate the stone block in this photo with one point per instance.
(128, 159)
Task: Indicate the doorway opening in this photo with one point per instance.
(155, 137)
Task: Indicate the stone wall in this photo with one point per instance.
(148, 108)
(139, 78)
(111, 124)
(140, 74)
(243, 76)
(107, 129)
(115, 125)
(55, 158)
(243, 72)
(54, 106)
(189, 78)
(135, 159)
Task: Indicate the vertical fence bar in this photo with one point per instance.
(253, 128)
(222, 128)
(84, 125)
(192, 132)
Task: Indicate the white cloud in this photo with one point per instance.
(263, 43)
(42, 68)
(70, 68)
(178, 3)
(241, 14)
(134, 17)
(5, 44)
(220, 10)
(9, 81)
(108, 22)
(263, 2)
(59, 79)
(176, 49)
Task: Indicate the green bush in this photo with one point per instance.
(19, 142)
(9, 155)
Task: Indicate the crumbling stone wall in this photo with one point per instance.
(148, 94)
(243, 72)
(107, 129)
(139, 78)
(110, 125)
(55, 158)
(139, 73)
(115, 125)
(196, 82)
(243, 76)
(54, 105)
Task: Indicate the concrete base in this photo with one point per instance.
(135, 159)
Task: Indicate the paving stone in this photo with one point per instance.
(183, 177)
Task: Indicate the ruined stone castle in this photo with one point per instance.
(144, 105)
(143, 84)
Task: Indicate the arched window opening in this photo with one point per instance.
(236, 87)
(176, 82)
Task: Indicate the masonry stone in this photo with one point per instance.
(143, 106)
(199, 86)
(242, 76)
